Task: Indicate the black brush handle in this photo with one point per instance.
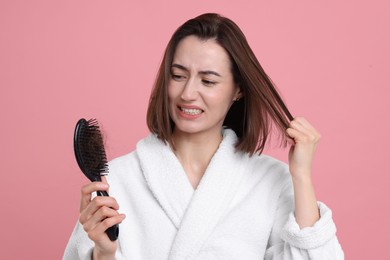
(112, 232)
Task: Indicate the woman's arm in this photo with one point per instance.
(306, 208)
(304, 142)
(303, 227)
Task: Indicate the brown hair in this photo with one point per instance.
(252, 116)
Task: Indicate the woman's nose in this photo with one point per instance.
(190, 90)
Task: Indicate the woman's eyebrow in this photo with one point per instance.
(204, 72)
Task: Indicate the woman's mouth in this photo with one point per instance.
(190, 111)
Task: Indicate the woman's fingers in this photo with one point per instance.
(87, 190)
(303, 131)
(104, 179)
(295, 134)
(98, 232)
(302, 151)
(101, 214)
(98, 214)
(95, 205)
(302, 124)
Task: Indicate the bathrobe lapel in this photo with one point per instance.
(194, 213)
(166, 177)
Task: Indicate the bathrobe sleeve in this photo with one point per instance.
(79, 245)
(287, 241)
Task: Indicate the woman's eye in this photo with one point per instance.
(177, 77)
(208, 82)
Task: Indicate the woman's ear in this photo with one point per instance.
(238, 95)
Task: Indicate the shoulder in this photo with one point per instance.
(269, 164)
(270, 169)
(131, 162)
(121, 165)
(123, 160)
(123, 172)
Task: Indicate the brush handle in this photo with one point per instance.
(112, 232)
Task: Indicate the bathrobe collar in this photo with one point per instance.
(194, 213)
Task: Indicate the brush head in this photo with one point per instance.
(89, 149)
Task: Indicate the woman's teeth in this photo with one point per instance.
(191, 111)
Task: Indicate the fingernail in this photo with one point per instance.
(104, 185)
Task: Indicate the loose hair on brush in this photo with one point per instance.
(253, 115)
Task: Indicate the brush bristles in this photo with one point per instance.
(92, 150)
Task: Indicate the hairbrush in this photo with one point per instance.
(91, 158)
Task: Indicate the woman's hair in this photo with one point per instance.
(252, 116)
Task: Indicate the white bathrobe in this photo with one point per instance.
(242, 209)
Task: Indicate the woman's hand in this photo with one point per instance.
(96, 216)
(304, 142)
(300, 157)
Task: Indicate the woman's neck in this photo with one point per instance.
(194, 151)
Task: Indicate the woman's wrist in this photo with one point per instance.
(306, 208)
(302, 179)
(99, 255)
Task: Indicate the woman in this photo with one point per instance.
(198, 186)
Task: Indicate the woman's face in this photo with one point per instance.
(201, 88)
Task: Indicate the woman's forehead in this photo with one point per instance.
(194, 53)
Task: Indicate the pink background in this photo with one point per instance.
(62, 60)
